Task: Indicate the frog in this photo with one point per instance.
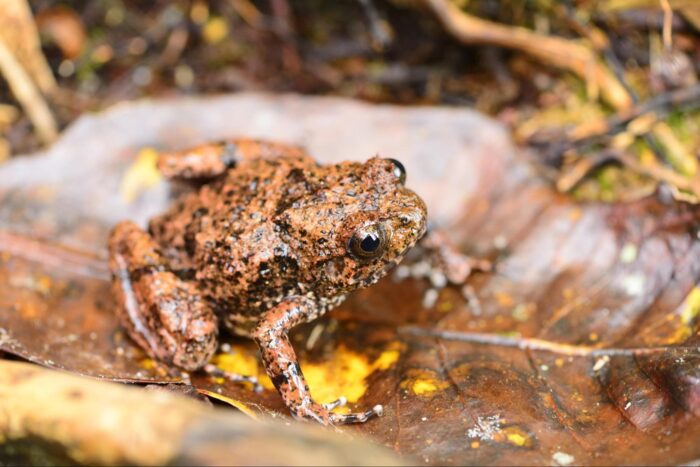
(266, 239)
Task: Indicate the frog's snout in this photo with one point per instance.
(410, 222)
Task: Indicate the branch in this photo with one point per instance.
(554, 51)
(28, 95)
(64, 419)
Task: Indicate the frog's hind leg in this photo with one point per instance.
(165, 315)
(211, 160)
(283, 368)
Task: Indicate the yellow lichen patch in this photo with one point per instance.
(516, 436)
(239, 361)
(140, 175)
(345, 373)
(688, 316)
(148, 363)
(389, 356)
(423, 382)
(691, 308)
(215, 30)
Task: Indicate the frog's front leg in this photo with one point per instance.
(455, 266)
(282, 365)
(208, 161)
(165, 315)
(439, 261)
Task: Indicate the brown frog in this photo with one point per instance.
(269, 240)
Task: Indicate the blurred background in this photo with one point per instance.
(567, 77)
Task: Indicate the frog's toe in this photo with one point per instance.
(340, 402)
(217, 372)
(361, 417)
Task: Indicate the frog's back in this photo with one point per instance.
(224, 234)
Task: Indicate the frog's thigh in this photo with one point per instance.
(208, 161)
(165, 315)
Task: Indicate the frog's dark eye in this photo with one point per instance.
(368, 242)
(399, 170)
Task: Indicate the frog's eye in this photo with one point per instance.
(368, 242)
(399, 170)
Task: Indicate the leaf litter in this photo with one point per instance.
(582, 345)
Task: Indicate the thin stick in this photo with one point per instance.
(19, 33)
(528, 343)
(28, 95)
(668, 24)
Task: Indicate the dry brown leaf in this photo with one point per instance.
(581, 347)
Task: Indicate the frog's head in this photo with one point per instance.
(360, 221)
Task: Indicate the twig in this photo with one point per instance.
(28, 95)
(19, 34)
(658, 172)
(555, 51)
(380, 36)
(668, 24)
(529, 343)
(673, 100)
(600, 42)
(55, 418)
(655, 107)
(174, 46)
(249, 12)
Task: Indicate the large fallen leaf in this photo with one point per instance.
(581, 347)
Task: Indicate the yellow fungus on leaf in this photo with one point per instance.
(516, 436)
(148, 363)
(140, 175)
(423, 382)
(688, 315)
(215, 31)
(345, 373)
(239, 361)
(691, 308)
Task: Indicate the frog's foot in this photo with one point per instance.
(340, 402)
(321, 413)
(217, 372)
(361, 417)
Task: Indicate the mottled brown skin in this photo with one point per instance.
(270, 240)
